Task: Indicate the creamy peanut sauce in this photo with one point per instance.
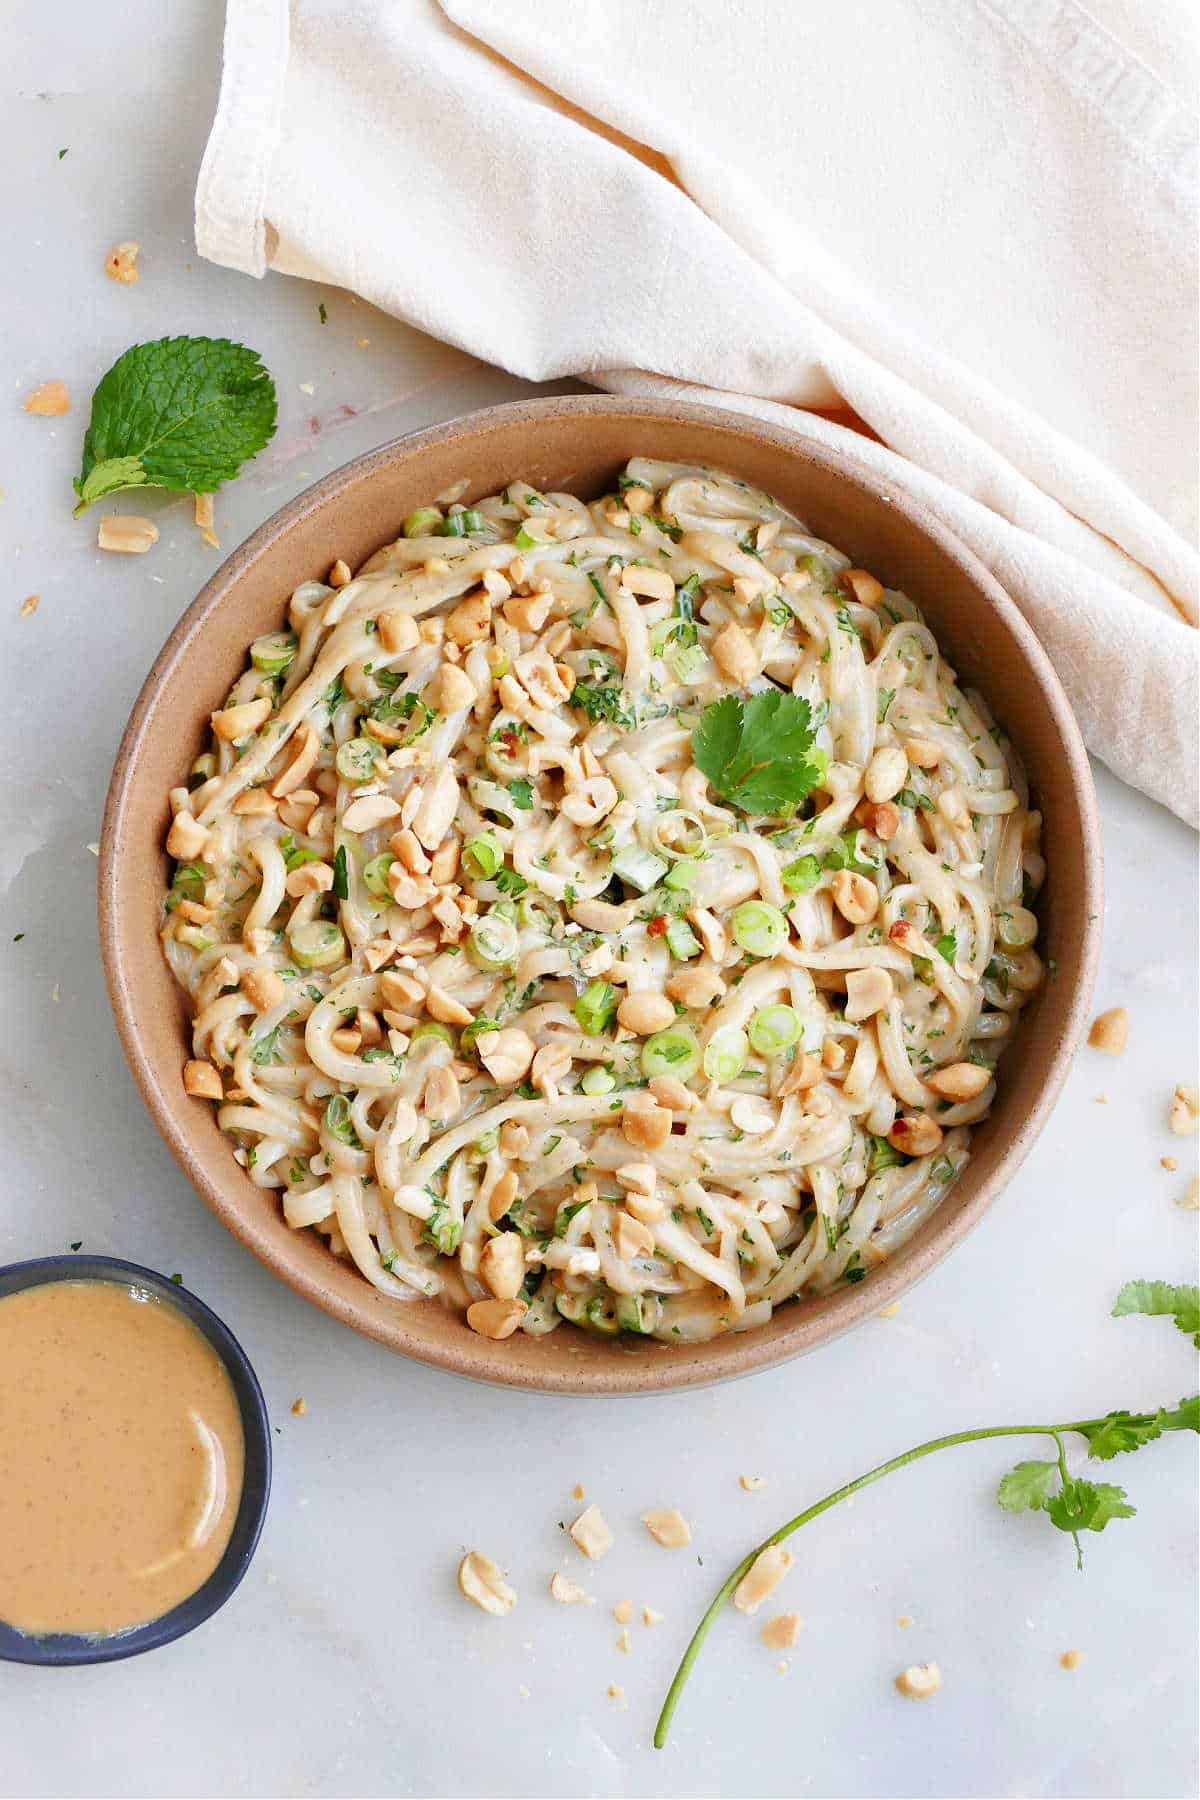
(121, 1458)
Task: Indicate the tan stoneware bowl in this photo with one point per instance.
(580, 444)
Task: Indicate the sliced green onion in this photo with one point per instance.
(356, 759)
(597, 1080)
(482, 856)
(759, 928)
(532, 909)
(526, 540)
(688, 663)
(595, 1007)
(682, 941)
(275, 652)
(337, 1120)
(681, 876)
(195, 938)
(801, 876)
(188, 882)
(671, 1052)
(341, 875)
(774, 1029)
(487, 1143)
(375, 874)
(638, 1312)
(428, 1033)
(202, 770)
(493, 942)
(725, 1053)
(317, 944)
(1017, 927)
(600, 1315)
(639, 868)
(425, 522)
(463, 523)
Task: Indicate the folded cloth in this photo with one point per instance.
(971, 222)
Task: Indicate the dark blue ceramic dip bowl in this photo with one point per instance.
(66, 1648)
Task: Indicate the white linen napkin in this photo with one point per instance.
(971, 222)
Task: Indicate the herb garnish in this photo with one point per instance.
(759, 753)
(1069, 1502)
(181, 413)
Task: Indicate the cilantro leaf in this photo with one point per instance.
(1027, 1487)
(1086, 1506)
(182, 413)
(759, 753)
(520, 792)
(1121, 1431)
(1159, 1299)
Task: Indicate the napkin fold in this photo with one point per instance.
(970, 222)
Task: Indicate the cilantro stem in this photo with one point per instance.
(725, 1591)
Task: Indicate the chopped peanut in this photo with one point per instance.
(867, 992)
(647, 1128)
(922, 753)
(674, 1095)
(669, 1528)
(569, 1593)
(130, 534)
(631, 1237)
(650, 1617)
(695, 987)
(339, 576)
(637, 1178)
(782, 1632)
(655, 584)
(201, 1080)
(916, 1134)
(920, 1682)
(398, 632)
(50, 401)
(804, 1073)
(302, 754)
(234, 722)
(1185, 1111)
(762, 1578)
(445, 1008)
(264, 987)
(750, 1484)
(309, 878)
(506, 1054)
(591, 1535)
(455, 690)
(645, 1013)
(623, 1611)
(370, 811)
(1110, 1032)
(735, 655)
(481, 1581)
(887, 772)
(496, 1319)
(29, 605)
(960, 1081)
(254, 803)
(502, 1265)
(121, 263)
(300, 1406)
(856, 898)
(204, 516)
(1071, 1659)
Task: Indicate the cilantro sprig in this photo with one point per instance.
(183, 413)
(1071, 1503)
(759, 753)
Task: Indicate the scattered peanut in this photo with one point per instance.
(502, 1265)
(782, 1632)
(916, 1134)
(481, 1581)
(735, 655)
(865, 588)
(669, 1528)
(959, 1081)
(751, 1484)
(591, 1535)
(867, 992)
(263, 987)
(1110, 1032)
(569, 1593)
(128, 533)
(202, 1081)
(496, 1319)
(920, 1682)
(1185, 1111)
(762, 1578)
(645, 1013)
(506, 1055)
(646, 1128)
(887, 772)
(655, 584)
(121, 263)
(1071, 1659)
(50, 401)
(856, 898)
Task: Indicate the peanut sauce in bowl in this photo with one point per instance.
(134, 1461)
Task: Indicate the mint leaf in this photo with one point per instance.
(1159, 1299)
(180, 413)
(758, 754)
(1027, 1487)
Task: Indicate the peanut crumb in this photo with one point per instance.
(890, 1312)
(782, 1632)
(904, 1621)
(569, 1592)
(623, 1611)
(300, 1406)
(49, 401)
(781, 1668)
(204, 520)
(1190, 1199)
(121, 263)
(624, 1642)
(577, 1491)
(590, 1533)
(363, 343)
(523, 1692)
(668, 1527)
(29, 605)
(1164, 1162)
(1110, 1031)
(751, 1484)
(481, 1582)
(650, 1617)
(615, 1692)
(920, 1682)
(1071, 1659)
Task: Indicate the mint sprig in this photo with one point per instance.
(1071, 1503)
(758, 753)
(182, 413)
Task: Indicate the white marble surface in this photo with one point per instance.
(347, 1664)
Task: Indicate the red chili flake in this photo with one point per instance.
(511, 741)
(657, 925)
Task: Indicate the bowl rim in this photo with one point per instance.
(844, 1308)
(68, 1649)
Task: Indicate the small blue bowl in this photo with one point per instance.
(63, 1649)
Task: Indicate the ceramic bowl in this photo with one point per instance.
(64, 1649)
(579, 443)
